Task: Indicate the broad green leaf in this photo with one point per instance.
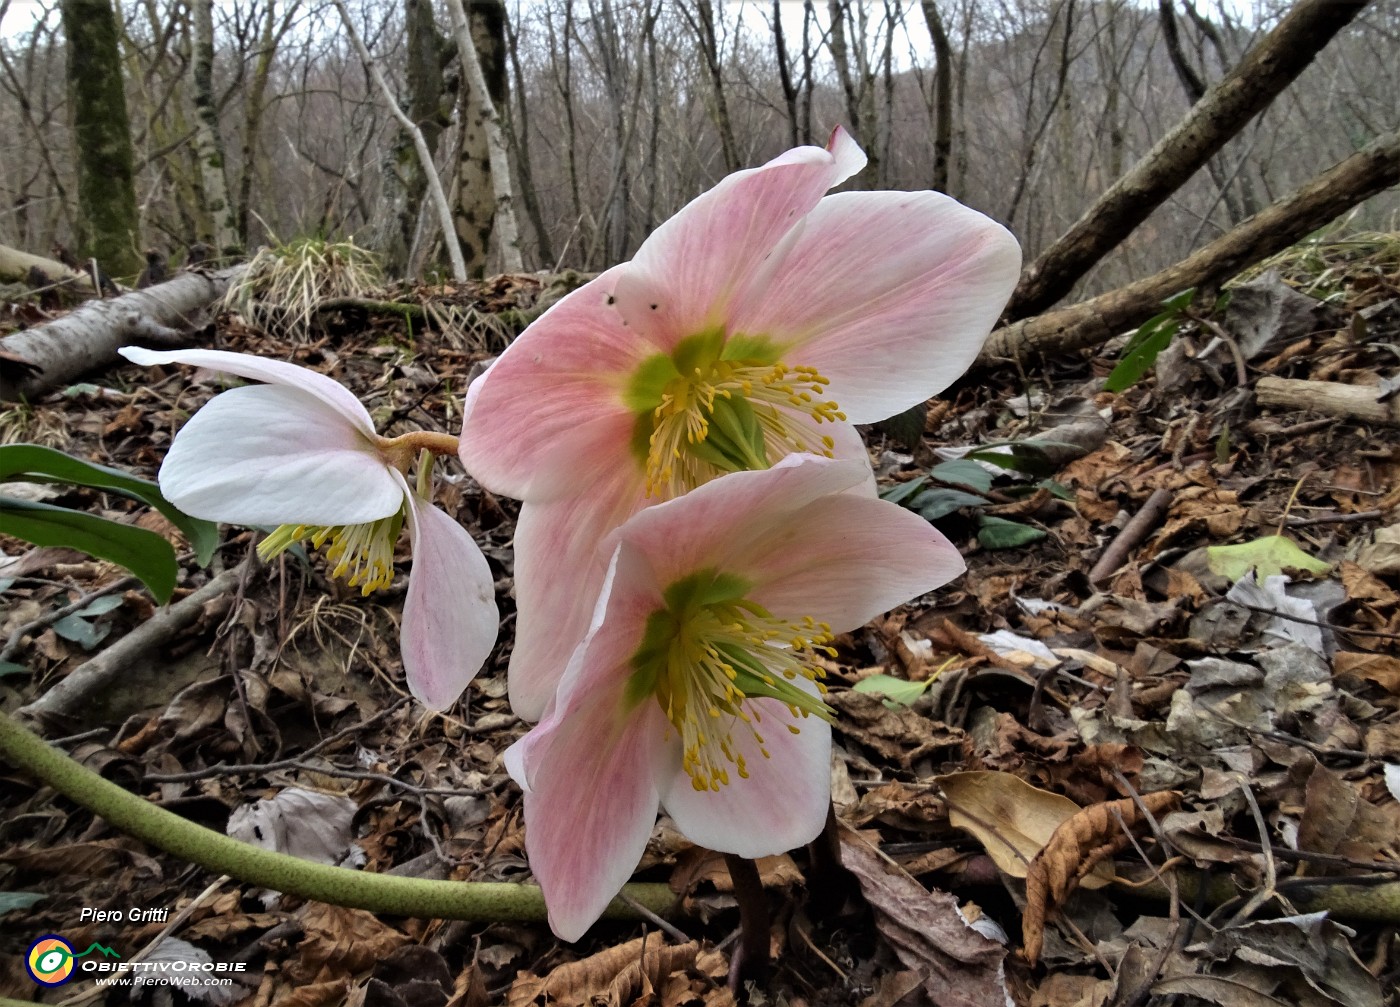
(35, 463)
(898, 691)
(10, 668)
(148, 555)
(1181, 301)
(901, 492)
(1057, 490)
(101, 606)
(936, 503)
(963, 473)
(1270, 555)
(1024, 456)
(999, 533)
(80, 631)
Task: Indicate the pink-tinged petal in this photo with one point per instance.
(783, 803)
(845, 559)
(274, 372)
(549, 413)
(269, 455)
(589, 769)
(714, 524)
(849, 157)
(450, 618)
(691, 269)
(889, 294)
(559, 571)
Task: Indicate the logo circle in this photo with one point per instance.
(49, 961)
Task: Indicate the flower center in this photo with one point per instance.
(720, 405)
(363, 554)
(708, 654)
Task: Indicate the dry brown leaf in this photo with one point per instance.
(614, 977)
(892, 987)
(332, 991)
(99, 859)
(697, 865)
(1082, 843)
(1336, 819)
(1361, 585)
(339, 942)
(1065, 989)
(1012, 820)
(1382, 669)
(960, 967)
(901, 735)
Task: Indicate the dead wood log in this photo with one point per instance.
(15, 267)
(1365, 173)
(1352, 402)
(86, 339)
(1223, 111)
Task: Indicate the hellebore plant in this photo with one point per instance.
(762, 320)
(300, 452)
(697, 687)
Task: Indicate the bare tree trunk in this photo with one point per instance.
(840, 55)
(86, 339)
(507, 231)
(272, 35)
(208, 147)
(519, 129)
(785, 72)
(1365, 173)
(109, 228)
(15, 267)
(809, 19)
(1235, 99)
(459, 269)
(703, 24)
(1064, 13)
(942, 95)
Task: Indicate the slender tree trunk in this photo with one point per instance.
(809, 20)
(109, 229)
(942, 95)
(1236, 98)
(482, 107)
(706, 31)
(208, 146)
(459, 270)
(272, 35)
(520, 142)
(785, 72)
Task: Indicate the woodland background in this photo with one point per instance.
(617, 113)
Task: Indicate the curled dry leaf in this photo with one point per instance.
(1011, 819)
(960, 967)
(1084, 841)
(621, 975)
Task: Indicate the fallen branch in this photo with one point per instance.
(15, 266)
(1352, 402)
(385, 894)
(86, 339)
(1268, 67)
(102, 671)
(1133, 532)
(1370, 170)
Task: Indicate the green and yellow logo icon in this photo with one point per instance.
(50, 959)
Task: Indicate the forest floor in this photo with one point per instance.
(1237, 712)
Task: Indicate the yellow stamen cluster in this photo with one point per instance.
(721, 658)
(363, 554)
(787, 406)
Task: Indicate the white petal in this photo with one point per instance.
(450, 618)
(269, 455)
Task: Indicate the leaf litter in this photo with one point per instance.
(1174, 783)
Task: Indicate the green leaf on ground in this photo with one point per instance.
(999, 533)
(148, 555)
(897, 691)
(900, 492)
(35, 463)
(936, 503)
(964, 473)
(1268, 556)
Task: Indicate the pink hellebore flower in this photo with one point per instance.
(761, 320)
(696, 687)
(300, 451)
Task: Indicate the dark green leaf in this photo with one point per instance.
(1057, 490)
(1181, 301)
(81, 632)
(146, 554)
(901, 492)
(101, 606)
(963, 473)
(897, 691)
(936, 503)
(35, 463)
(1024, 456)
(10, 668)
(999, 533)
(10, 901)
(1141, 358)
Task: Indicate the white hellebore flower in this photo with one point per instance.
(300, 452)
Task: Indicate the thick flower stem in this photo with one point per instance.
(377, 893)
(750, 959)
(408, 445)
(830, 884)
